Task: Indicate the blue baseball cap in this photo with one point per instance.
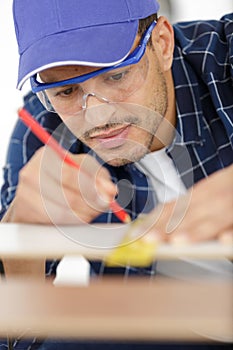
(95, 33)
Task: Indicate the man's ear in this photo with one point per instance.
(163, 40)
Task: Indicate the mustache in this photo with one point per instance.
(132, 120)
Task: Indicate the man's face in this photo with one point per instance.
(119, 132)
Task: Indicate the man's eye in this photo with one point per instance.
(117, 76)
(68, 91)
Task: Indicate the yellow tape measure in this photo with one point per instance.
(133, 251)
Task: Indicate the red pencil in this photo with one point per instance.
(47, 139)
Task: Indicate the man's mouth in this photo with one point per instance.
(112, 137)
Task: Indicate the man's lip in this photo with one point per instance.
(113, 138)
(109, 133)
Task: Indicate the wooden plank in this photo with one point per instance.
(141, 309)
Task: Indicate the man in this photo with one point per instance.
(136, 109)
(156, 113)
(150, 120)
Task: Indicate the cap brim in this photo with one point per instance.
(92, 46)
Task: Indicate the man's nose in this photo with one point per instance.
(98, 110)
(91, 99)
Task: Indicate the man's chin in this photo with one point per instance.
(129, 152)
(123, 158)
(118, 162)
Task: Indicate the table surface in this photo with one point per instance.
(110, 309)
(92, 241)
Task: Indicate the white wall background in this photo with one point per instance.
(11, 99)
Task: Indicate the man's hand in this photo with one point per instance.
(51, 192)
(204, 213)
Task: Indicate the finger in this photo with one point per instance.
(31, 207)
(79, 198)
(94, 188)
(226, 237)
(41, 194)
(96, 173)
(204, 228)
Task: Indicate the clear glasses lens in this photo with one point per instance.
(42, 95)
(114, 86)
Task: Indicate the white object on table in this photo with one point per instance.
(72, 270)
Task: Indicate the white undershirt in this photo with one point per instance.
(159, 168)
